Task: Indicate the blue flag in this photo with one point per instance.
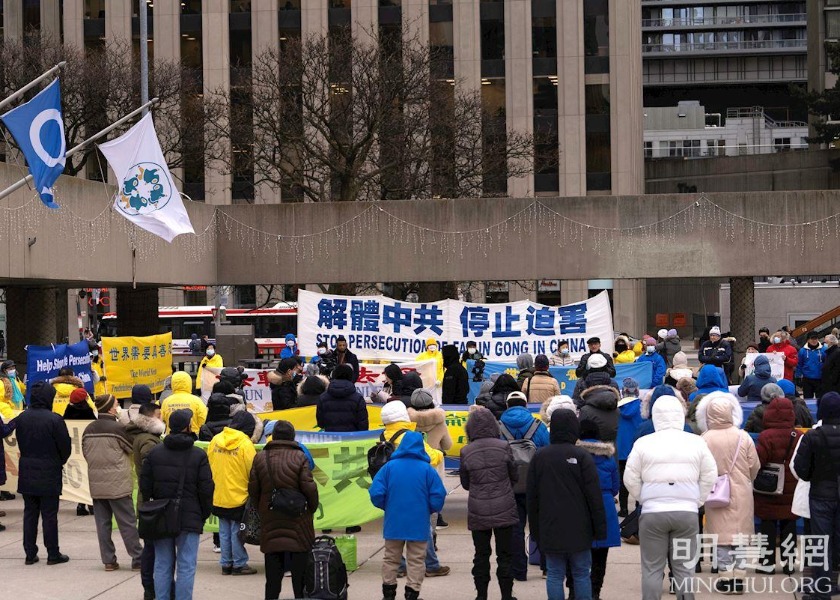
(38, 128)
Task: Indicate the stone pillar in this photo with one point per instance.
(571, 105)
(626, 111)
(166, 23)
(215, 49)
(573, 290)
(364, 20)
(137, 311)
(13, 19)
(629, 305)
(741, 314)
(118, 21)
(36, 316)
(74, 31)
(313, 18)
(415, 20)
(466, 33)
(519, 83)
(50, 20)
(265, 36)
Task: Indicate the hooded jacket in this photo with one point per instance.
(791, 356)
(669, 348)
(630, 417)
(810, 362)
(161, 474)
(518, 420)
(817, 459)
(497, 401)
(600, 404)
(720, 416)
(214, 361)
(182, 397)
(488, 473)
(751, 387)
(646, 427)
(145, 433)
(679, 369)
(108, 450)
(341, 408)
(525, 364)
(625, 358)
(432, 423)
(44, 444)
(565, 506)
(7, 396)
(411, 381)
(64, 386)
(603, 454)
(435, 356)
(540, 387)
(592, 379)
(657, 375)
(310, 389)
(231, 454)
(283, 464)
(283, 392)
(218, 416)
(831, 371)
(409, 490)
(777, 444)
(456, 382)
(710, 379)
(670, 469)
(287, 352)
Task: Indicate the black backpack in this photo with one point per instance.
(325, 576)
(381, 453)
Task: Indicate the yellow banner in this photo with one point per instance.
(136, 360)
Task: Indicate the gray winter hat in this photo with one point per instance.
(770, 391)
(420, 398)
(524, 361)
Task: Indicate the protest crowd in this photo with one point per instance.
(553, 479)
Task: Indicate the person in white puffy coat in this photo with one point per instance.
(670, 472)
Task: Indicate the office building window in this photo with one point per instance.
(832, 24)
(544, 37)
(598, 144)
(245, 296)
(596, 36)
(237, 6)
(492, 39)
(494, 137)
(31, 15)
(546, 142)
(94, 9)
(441, 41)
(648, 149)
(190, 7)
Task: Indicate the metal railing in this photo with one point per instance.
(705, 46)
(744, 20)
(721, 151)
(757, 112)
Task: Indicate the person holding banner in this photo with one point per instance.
(211, 359)
(97, 367)
(12, 389)
(432, 352)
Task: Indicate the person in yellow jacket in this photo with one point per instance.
(182, 397)
(395, 418)
(623, 354)
(97, 367)
(12, 391)
(64, 385)
(433, 353)
(211, 359)
(231, 454)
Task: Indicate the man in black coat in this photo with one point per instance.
(343, 356)
(283, 390)
(594, 344)
(456, 382)
(831, 369)
(44, 445)
(341, 407)
(565, 507)
(159, 479)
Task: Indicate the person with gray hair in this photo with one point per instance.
(755, 423)
(830, 381)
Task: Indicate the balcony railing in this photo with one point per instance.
(719, 46)
(708, 21)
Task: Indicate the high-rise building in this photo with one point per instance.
(725, 53)
(566, 68)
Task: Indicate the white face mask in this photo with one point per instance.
(322, 351)
(470, 351)
(564, 352)
(777, 340)
(290, 344)
(11, 372)
(433, 348)
(211, 352)
(650, 349)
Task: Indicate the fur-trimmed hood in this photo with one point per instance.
(719, 410)
(304, 388)
(426, 419)
(258, 429)
(602, 397)
(597, 448)
(646, 404)
(147, 424)
(69, 380)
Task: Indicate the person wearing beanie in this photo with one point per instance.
(310, 389)
(669, 346)
(409, 490)
(432, 352)
(671, 472)
(716, 351)
(804, 418)
(140, 395)
(556, 403)
(525, 364)
(755, 422)
(45, 447)
(411, 381)
(183, 398)
(159, 479)
(456, 381)
(565, 506)
(12, 390)
(584, 367)
(431, 422)
(655, 359)
(231, 454)
(341, 407)
(496, 401)
(623, 354)
(752, 385)
(64, 385)
(519, 423)
(488, 473)
(109, 453)
(281, 381)
(630, 417)
(808, 372)
(679, 369)
(541, 385)
(817, 460)
(218, 414)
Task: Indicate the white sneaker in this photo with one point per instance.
(216, 549)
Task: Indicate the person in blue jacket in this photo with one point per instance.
(652, 356)
(630, 409)
(290, 350)
(409, 490)
(751, 387)
(646, 426)
(809, 368)
(710, 379)
(603, 453)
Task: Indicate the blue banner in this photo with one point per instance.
(44, 362)
(565, 376)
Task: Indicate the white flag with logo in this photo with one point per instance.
(146, 195)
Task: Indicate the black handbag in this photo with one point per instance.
(286, 501)
(770, 479)
(250, 528)
(161, 519)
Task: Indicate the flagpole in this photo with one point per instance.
(19, 184)
(32, 84)
(144, 52)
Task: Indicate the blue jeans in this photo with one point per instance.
(825, 520)
(432, 562)
(183, 550)
(580, 563)
(233, 551)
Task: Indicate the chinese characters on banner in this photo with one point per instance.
(377, 327)
(137, 360)
(258, 393)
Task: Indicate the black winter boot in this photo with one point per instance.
(506, 587)
(481, 588)
(411, 594)
(389, 591)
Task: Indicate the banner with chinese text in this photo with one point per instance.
(377, 327)
(137, 360)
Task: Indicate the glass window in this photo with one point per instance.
(494, 137)
(94, 9)
(596, 36)
(544, 37)
(492, 40)
(190, 7)
(240, 6)
(832, 24)
(442, 47)
(289, 4)
(648, 149)
(598, 160)
(31, 14)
